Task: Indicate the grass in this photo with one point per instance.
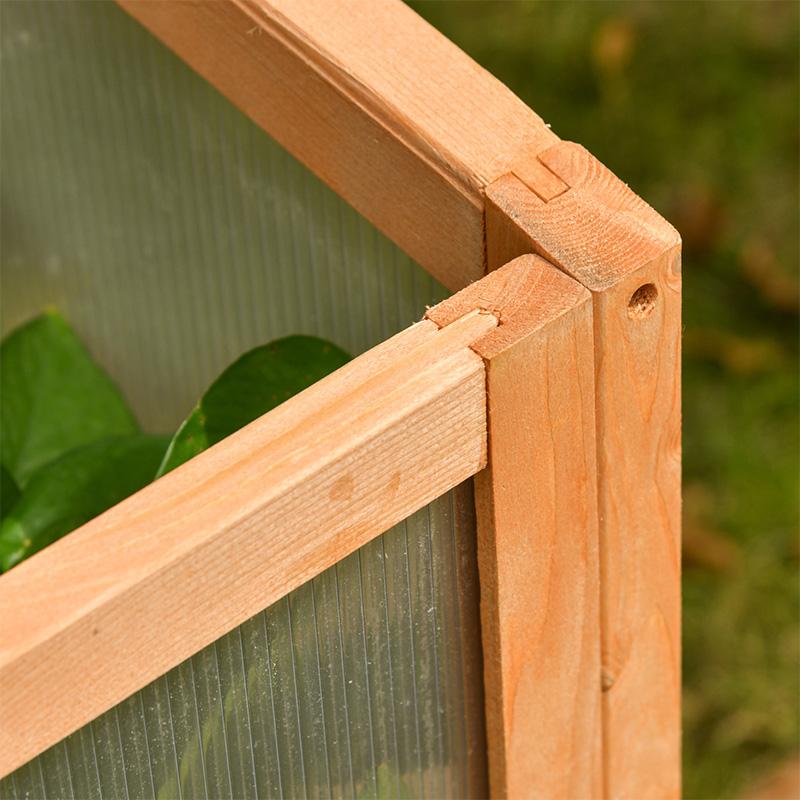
(695, 105)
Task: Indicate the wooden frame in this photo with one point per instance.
(537, 533)
(597, 230)
(446, 161)
(360, 439)
(387, 111)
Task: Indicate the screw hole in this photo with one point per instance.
(643, 301)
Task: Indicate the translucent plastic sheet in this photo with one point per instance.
(174, 235)
(168, 228)
(364, 682)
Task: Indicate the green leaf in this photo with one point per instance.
(75, 488)
(190, 440)
(54, 397)
(254, 384)
(9, 493)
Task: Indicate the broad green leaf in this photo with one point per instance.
(190, 440)
(254, 384)
(54, 397)
(9, 493)
(76, 488)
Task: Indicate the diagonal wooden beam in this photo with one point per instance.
(386, 110)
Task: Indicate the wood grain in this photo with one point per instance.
(599, 232)
(537, 533)
(638, 412)
(413, 134)
(382, 107)
(107, 609)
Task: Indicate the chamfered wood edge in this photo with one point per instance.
(375, 101)
(147, 584)
(595, 227)
(570, 209)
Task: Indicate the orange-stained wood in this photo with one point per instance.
(105, 610)
(601, 233)
(387, 111)
(537, 533)
(420, 140)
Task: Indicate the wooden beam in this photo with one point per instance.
(573, 211)
(537, 533)
(105, 610)
(386, 110)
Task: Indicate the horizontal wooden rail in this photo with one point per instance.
(128, 596)
(387, 111)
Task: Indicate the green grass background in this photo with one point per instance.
(695, 105)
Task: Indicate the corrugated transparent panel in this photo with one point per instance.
(174, 235)
(169, 229)
(362, 683)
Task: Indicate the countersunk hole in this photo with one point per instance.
(643, 301)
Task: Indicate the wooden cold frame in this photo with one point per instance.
(238, 527)
(463, 176)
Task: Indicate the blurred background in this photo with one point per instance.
(696, 106)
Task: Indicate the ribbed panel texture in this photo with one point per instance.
(167, 228)
(357, 684)
(174, 235)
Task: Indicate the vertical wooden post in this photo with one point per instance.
(537, 533)
(567, 207)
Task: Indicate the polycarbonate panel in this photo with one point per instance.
(174, 235)
(169, 229)
(362, 683)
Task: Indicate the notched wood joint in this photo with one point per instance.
(567, 207)
(523, 295)
(540, 179)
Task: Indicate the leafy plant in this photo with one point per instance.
(76, 487)
(70, 447)
(9, 492)
(254, 384)
(54, 397)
